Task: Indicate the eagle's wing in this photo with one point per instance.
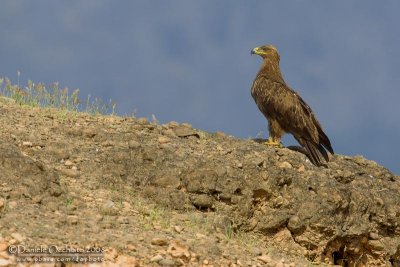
(295, 117)
(322, 137)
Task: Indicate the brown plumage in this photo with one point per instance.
(285, 110)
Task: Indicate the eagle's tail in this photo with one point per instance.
(315, 152)
(324, 140)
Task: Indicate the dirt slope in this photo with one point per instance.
(171, 195)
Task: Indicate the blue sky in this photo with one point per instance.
(189, 61)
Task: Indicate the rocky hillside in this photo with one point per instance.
(171, 195)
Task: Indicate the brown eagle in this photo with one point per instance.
(285, 110)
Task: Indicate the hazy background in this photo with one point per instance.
(189, 61)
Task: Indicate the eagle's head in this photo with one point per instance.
(266, 51)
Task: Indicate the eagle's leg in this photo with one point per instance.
(275, 133)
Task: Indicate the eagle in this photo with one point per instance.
(285, 110)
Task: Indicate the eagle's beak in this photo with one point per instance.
(255, 51)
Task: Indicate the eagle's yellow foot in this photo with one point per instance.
(271, 142)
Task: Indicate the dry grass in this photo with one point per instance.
(52, 96)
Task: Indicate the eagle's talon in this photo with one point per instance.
(275, 143)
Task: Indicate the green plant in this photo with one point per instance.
(69, 201)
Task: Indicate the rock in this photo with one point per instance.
(253, 223)
(278, 202)
(72, 219)
(142, 121)
(272, 221)
(379, 201)
(167, 181)
(376, 245)
(285, 180)
(184, 131)
(202, 201)
(200, 236)
(29, 176)
(70, 173)
(285, 165)
(264, 258)
(150, 155)
(180, 201)
(68, 163)
(295, 225)
(178, 229)
(169, 133)
(54, 191)
(17, 236)
(185, 124)
(262, 193)
(201, 180)
(156, 258)
(178, 250)
(108, 144)
(4, 262)
(159, 242)
(169, 262)
(301, 168)
(109, 204)
(131, 247)
(374, 236)
(163, 140)
(27, 143)
(109, 208)
(3, 247)
(1, 203)
(359, 159)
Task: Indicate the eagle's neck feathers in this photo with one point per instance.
(271, 70)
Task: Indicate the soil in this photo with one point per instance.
(145, 194)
